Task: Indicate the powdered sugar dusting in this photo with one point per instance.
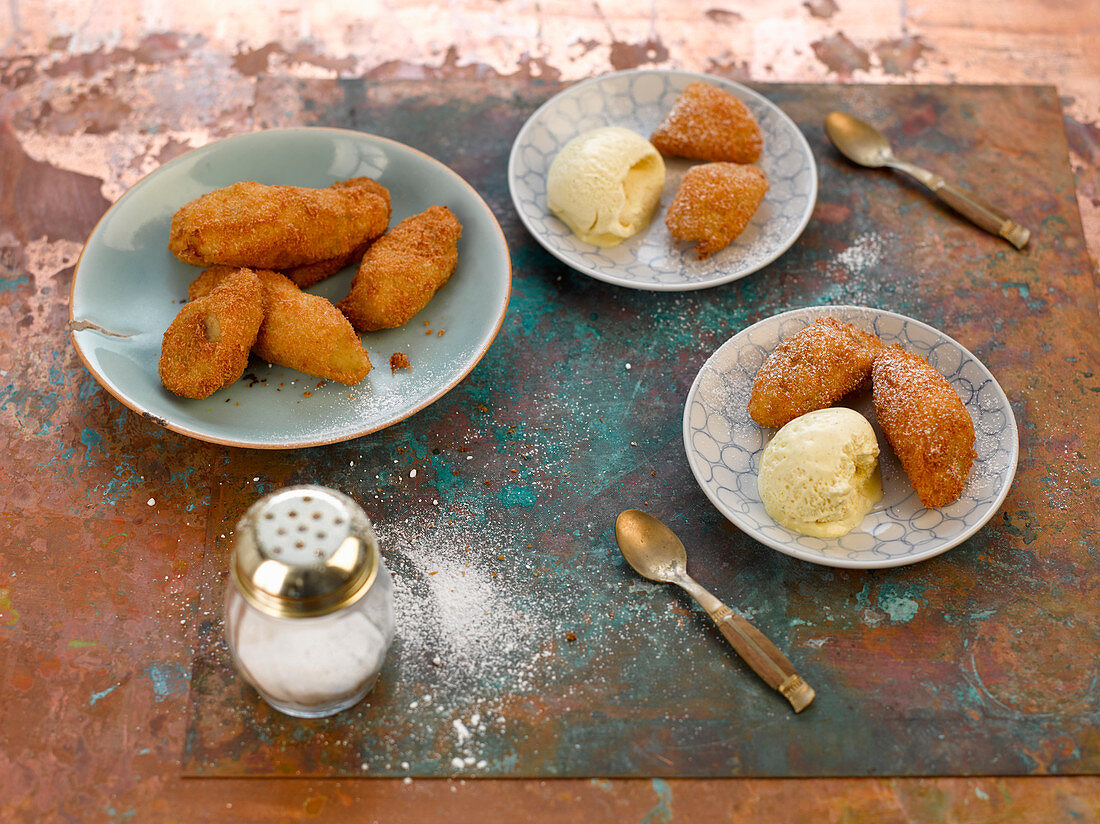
(470, 633)
(471, 618)
(865, 253)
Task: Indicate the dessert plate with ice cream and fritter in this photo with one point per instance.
(640, 101)
(724, 445)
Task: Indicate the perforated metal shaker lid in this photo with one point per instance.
(304, 551)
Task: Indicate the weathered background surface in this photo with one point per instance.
(106, 517)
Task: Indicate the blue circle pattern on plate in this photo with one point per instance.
(724, 445)
(653, 259)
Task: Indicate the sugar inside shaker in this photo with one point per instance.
(309, 609)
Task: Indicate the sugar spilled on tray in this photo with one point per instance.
(469, 632)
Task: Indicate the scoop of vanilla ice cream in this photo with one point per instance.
(819, 474)
(604, 184)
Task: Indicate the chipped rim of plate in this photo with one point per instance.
(685, 255)
(754, 521)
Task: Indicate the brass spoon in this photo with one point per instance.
(654, 551)
(864, 144)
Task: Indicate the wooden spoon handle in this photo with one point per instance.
(764, 657)
(983, 214)
(980, 212)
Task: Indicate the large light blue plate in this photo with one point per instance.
(652, 259)
(128, 287)
(724, 445)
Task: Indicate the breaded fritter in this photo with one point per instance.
(925, 422)
(310, 273)
(206, 347)
(714, 204)
(812, 369)
(367, 184)
(299, 330)
(276, 227)
(403, 269)
(708, 123)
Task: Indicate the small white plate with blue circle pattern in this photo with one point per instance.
(653, 259)
(724, 445)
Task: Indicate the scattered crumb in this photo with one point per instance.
(399, 360)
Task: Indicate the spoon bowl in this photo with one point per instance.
(650, 547)
(858, 141)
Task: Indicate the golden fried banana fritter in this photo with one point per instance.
(714, 204)
(367, 184)
(925, 422)
(812, 369)
(276, 227)
(312, 273)
(206, 347)
(708, 123)
(403, 269)
(308, 274)
(209, 280)
(299, 330)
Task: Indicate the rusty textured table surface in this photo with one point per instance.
(113, 525)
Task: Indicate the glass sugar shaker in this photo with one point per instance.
(309, 609)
